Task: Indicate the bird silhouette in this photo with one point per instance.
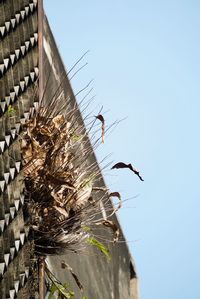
(123, 165)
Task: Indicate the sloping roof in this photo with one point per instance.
(18, 75)
(101, 279)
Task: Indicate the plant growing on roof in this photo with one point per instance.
(59, 180)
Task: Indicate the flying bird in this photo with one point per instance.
(123, 165)
(101, 118)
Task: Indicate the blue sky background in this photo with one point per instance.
(145, 60)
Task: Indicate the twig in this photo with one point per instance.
(41, 264)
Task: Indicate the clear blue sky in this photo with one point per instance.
(145, 60)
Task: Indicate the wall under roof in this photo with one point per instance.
(18, 73)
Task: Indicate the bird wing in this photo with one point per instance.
(120, 165)
(141, 179)
(136, 172)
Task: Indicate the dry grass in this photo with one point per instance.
(59, 180)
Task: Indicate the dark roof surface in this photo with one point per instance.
(18, 75)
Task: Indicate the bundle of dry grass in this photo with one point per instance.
(59, 180)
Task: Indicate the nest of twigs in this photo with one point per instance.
(58, 181)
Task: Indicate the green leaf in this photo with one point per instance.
(62, 291)
(99, 245)
(53, 289)
(11, 110)
(76, 137)
(86, 228)
(88, 181)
